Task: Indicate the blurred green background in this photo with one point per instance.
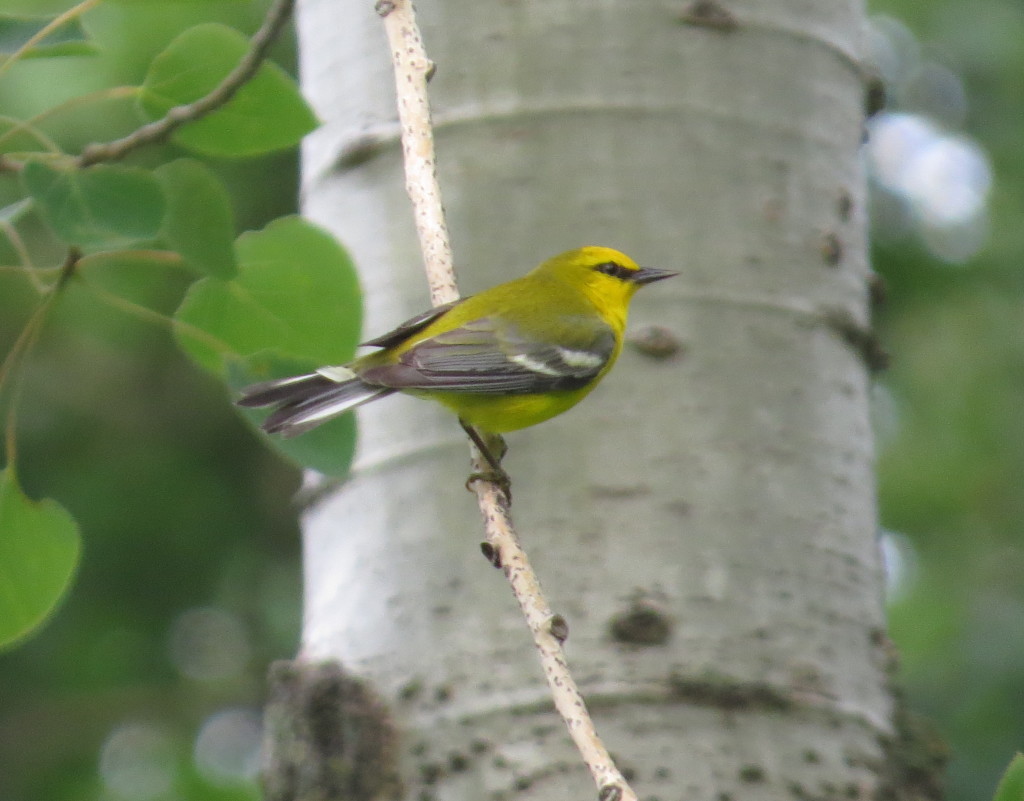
(946, 224)
(147, 682)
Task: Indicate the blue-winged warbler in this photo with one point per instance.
(507, 358)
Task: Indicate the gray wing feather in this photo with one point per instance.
(491, 356)
(412, 325)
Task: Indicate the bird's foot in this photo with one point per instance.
(498, 477)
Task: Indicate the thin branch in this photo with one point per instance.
(549, 631)
(26, 267)
(57, 22)
(21, 347)
(277, 16)
(30, 125)
(26, 125)
(412, 71)
(163, 258)
(22, 344)
(148, 315)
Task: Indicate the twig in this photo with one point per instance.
(155, 131)
(549, 631)
(26, 267)
(57, 22)
(29, 126)
(150, 316)
(23, 344)
(26, 125)
(412, 71)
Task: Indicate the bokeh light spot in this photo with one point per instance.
(137, 762)
(945, 180)
(948, 180)
(894, 50)
(937, 92)
(930, 180)
(899, 560)
(209, 643)
(227, 749)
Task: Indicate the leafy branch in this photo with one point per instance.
(124, 215)
(156, 131)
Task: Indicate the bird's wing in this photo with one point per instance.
(490, 355)
(413, 325)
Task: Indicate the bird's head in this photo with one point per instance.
(604, 273)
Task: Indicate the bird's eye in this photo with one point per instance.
(614, 269)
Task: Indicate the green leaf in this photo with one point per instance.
(199, 224)
(266, 114)
(1011, 787)
(101, 206)
(69, 39)
(39, 549)
(295, 295)
(294, 306)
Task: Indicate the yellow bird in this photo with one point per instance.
(510, 357)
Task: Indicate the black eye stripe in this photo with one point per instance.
(616, 270)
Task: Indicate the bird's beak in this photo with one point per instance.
(648, 275)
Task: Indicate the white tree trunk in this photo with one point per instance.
(705, 522)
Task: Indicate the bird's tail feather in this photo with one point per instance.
(304, 402)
